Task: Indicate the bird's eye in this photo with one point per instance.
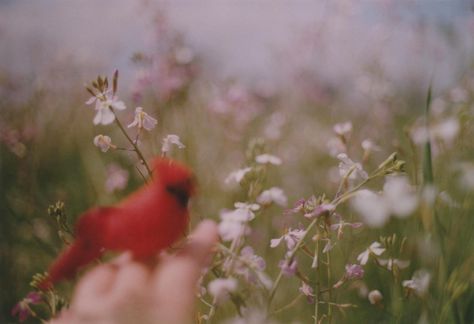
(180, 193)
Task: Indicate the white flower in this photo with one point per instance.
(374, 248)
(268, 159)
(143, 120)
(104, 103)
(371, 207)
(466, 178)
(445, 130)
(169, 140)
(95, 99)
(346, 164)
(247, 210)
(103, 142)
(368, 145)
(375, 297)
(274, 125)
(343, 129)
(419, 283)
(448, 200)
(104, 116)
(398, 198)
(250, 316)
(291, 238)
(237, 175)
(328, 247)
(273, 194)
(234, 222)
(389, 263)
(220, 288)
(114, 103)
(230, 230)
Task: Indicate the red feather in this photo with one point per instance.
(146, 222)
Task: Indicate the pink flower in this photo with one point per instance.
(319, 210)
(297, 207)
(354, 271)
(251, 266)
(306, 290)
(288, 267)
(22, 308)
(339, 227)
(117, 178)
(252, 259)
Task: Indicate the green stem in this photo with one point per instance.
(289, 305)
(212, 310)
(328, 267)
(343, 197)
(135, 147)
(317, 287)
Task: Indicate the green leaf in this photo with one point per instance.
(427, 157)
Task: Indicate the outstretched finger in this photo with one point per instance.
(175, 279)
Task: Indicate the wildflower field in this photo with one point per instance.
(337, 159)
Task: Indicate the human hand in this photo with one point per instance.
(127, 291)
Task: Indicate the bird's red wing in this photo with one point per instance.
(93, 223)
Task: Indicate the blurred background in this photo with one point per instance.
(221, 74)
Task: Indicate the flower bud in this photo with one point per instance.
(375, 297)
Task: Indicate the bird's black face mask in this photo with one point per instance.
(180, 192)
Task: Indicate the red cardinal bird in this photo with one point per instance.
(147, 221)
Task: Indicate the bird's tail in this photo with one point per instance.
(77, 255)
(86, 247)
